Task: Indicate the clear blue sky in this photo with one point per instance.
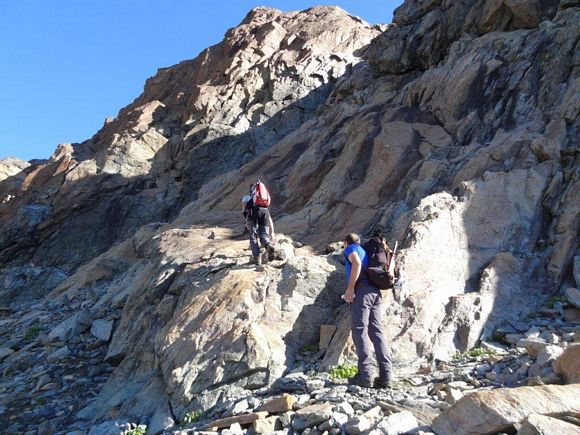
(65, 65)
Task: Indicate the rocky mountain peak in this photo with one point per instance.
(124, 258)
(237, 98)
(10, 166)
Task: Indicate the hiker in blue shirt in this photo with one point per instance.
(365, 309)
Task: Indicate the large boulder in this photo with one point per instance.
(72, 326)
(537, 424)
(568, 364)
(248, 332)
(498, 410)
(573, 296)
(213, 322)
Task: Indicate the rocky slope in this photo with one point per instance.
(456, 127)
(266, 78)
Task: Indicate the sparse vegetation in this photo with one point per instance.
(32, 333)
(343, 371)
(554, 300)
(139, 430)
(472, 353)
(39, 401)
(191, 417)
(309, 348)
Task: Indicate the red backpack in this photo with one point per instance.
(260, 195)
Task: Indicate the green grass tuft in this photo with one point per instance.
(32, 333)
(191, 417)
(343, 371)
(554, 300)
(472, 353)
(39, 401)
(309, 348)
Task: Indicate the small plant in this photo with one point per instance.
(472, 353)
(191, 417)
(32, 333)
(343, 371)
(39, 401)
(554, 300)
(309, 348)
(532, 315)
(139, 430)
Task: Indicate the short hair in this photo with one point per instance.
(379, 231)
(352, 238)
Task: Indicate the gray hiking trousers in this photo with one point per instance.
(367, 333)
(259, 230)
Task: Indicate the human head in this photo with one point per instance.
(351, 238)
(379, 231)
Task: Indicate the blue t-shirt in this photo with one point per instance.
(353, 247)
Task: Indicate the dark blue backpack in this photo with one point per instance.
(379, 260)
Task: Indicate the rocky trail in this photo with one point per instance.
(54, 360)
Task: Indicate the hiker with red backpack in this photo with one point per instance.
(258, 217)
(364, 298)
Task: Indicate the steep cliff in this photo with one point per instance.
(456, 127)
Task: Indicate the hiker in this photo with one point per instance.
(365, 309)
(258, 217)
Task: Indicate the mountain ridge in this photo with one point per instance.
(461, 140)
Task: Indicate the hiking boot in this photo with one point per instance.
(271, 252)
(380, 383)
(356, 380)
(264, 257)
(256, 260)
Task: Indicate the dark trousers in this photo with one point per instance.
(366, 330)
(259, 231)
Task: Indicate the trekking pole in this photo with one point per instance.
(391, 269)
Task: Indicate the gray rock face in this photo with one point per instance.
(456, 128)
(568, 364)
(573, 296)
(311, 416)
(5, 352)
(59, 354)
(11, 166)
(537, 424)
(102, 329)
(72, 326)
(161, 420)
(20, 284)
(417, 42)
(505, 407)
(398, 423)
(577, 270)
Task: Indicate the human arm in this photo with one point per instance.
(356, 267)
